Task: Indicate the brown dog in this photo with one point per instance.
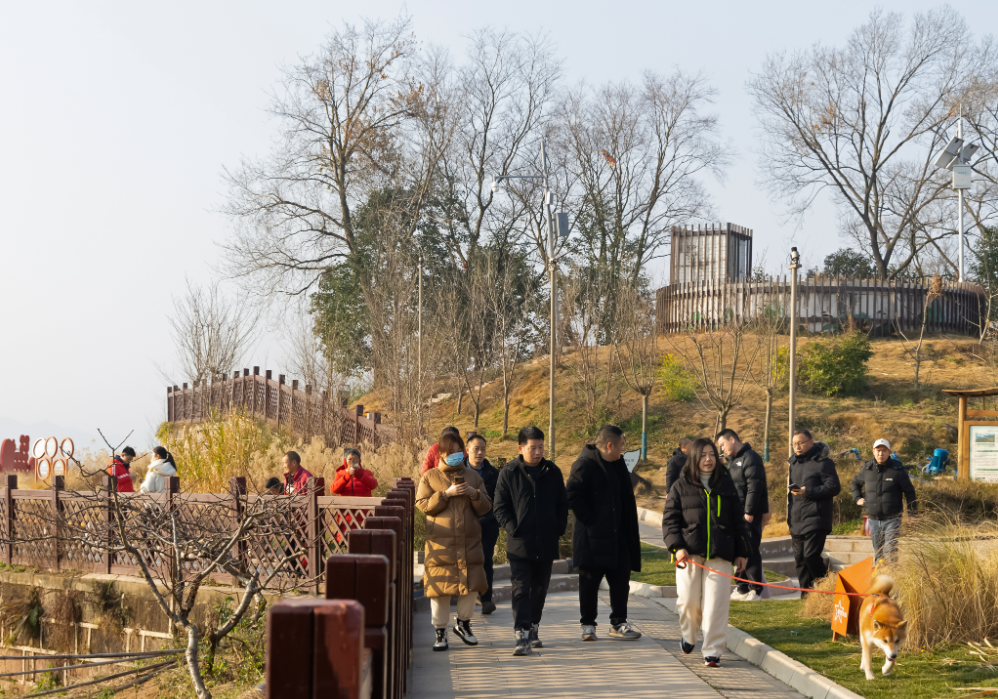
(881, 624)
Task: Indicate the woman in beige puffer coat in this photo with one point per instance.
(453, 497)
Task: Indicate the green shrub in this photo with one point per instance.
(676, 381)
(835, 367)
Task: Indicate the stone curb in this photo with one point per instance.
(649, 516)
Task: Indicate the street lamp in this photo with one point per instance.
(793, 266)
(557, 225)
(954, 158)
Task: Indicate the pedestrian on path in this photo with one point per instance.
(675, 465)
(490, 527)
(749, 475)
(531, 506)
(703, 522)
(882, 486)
(432, 457)
(162, 467)
(605, 541)
(814, 483)
(453, 497)
(352, 479)
(120, 470)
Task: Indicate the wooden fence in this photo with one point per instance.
(51, 529)
(823, 305)
(283, 405)
(357, 642)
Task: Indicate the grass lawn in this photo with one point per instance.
(939, 673)
(657, 568)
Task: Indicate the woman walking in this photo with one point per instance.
(453, 497)
(162, 467)
(703, 523)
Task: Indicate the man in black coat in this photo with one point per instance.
(530, 505)
(490, 527)
(605, 541)
(886, 485)
(675, 465)
(814, 483)
(749, 475)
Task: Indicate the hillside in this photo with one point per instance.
(914, 422)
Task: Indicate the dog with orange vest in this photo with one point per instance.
(881, 625)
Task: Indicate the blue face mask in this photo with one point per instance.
(455, 459)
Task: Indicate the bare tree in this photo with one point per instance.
(771, 372)
(585, 327)
(914, 349)
(720, 365)
(866, 121)
(636, 350)
(211, 334)
(368, 112)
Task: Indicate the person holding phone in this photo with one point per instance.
(814, 483)
(352, 479)
(453, 497)
(704, 522)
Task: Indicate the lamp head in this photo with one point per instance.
(794, 256)
(495, 185)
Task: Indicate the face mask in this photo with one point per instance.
(454, 459)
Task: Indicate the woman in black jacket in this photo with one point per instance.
(703, 522)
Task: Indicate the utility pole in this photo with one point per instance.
(556, 225)
(794, 266)
(955, 158)
(419, 332)
(959, 192)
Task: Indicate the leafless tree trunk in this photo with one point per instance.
(637, 351)
(866, 122)
(586, 324)
(772, 369)
(914, 350)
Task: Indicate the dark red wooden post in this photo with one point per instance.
(358, 411)
(394, 523)
(253, 383)
(313, 528)
(58, 485)
(110, 486)
(237, 488)
(280, 391)
(9, 513)
(364, 578)
(385, 543)
(266, 395)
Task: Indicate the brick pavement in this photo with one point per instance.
(567, 667)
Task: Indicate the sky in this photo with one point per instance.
(117, 119)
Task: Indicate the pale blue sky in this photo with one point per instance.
(116, 120)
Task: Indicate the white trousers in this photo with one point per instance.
(440, 608)
(704, 599)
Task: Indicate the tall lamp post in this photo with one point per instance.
(954, 158)
(794, 266)
(557, 225)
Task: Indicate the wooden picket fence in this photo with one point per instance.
(357, 641)
(300, 410)
(824, 304)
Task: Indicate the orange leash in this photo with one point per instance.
(682, 566)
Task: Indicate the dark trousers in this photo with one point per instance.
(753, 571)
(530, 588)
(807, 555)
(619, 582)
(490, 535)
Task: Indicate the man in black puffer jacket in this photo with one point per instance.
(814, 483)
(530, 505)
(605, 542)
(675, 465)
(886, 485)
(749, 475)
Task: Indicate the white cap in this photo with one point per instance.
(881, 443)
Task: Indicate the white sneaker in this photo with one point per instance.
(740, 596)
(752, 596)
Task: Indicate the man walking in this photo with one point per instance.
(749, 474)
(490, 527)
(530, 505)
(120, 470)
(605, 541)
(676, 463)
(881, 486)
(814, 482)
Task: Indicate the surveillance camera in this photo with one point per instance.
(495, 186)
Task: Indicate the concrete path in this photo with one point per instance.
(650, 534)
(567, 667)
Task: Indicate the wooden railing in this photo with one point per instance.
(357, 642)
(51, 529)
(301, 411)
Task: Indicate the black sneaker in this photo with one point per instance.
(535, 642)
(711, 661)
(687, 647)
(522, 642)
(488, 607)
(463, 630)
(441, 642)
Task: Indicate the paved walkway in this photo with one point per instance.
(567, 667)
